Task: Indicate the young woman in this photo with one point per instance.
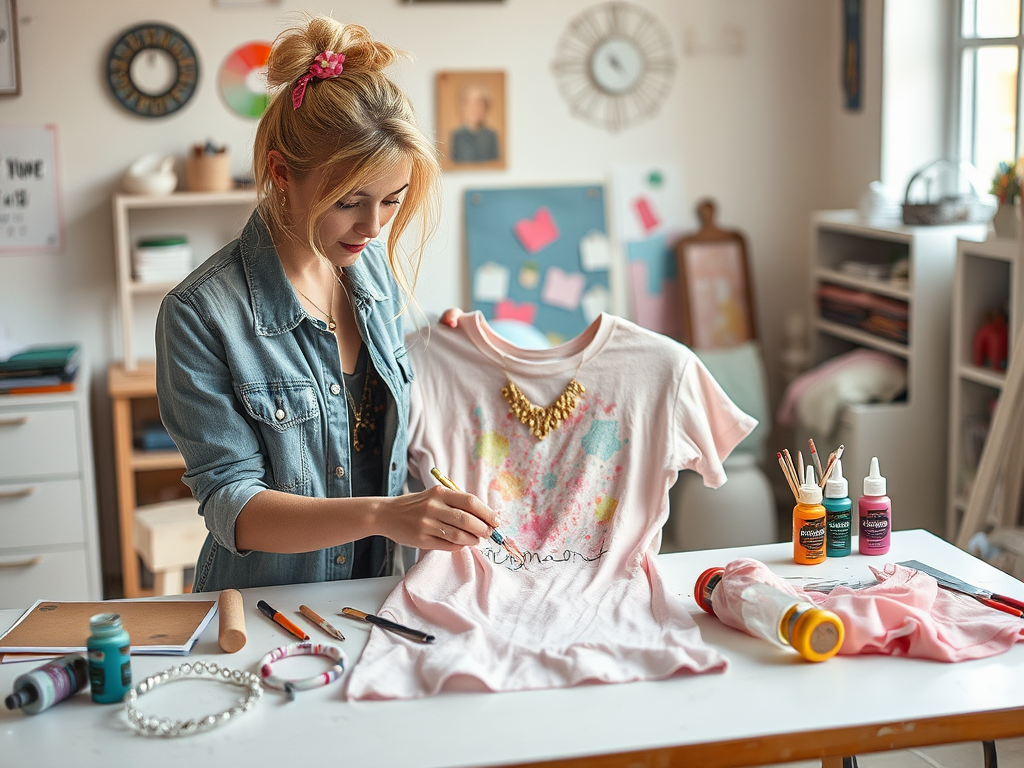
(282, 372)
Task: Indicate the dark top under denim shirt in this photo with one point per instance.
(252, 392)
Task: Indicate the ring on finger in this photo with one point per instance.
(443, 534)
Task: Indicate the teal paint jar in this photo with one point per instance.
(108, 651)
(838, 513)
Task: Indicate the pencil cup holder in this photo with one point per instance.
(209, 173)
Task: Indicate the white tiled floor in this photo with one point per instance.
(1009, 751)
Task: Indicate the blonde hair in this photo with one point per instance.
(356, 127)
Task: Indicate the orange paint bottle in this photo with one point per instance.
(809, 523)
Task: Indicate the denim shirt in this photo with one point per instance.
(251, 390)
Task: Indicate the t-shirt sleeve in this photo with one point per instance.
(706, 424)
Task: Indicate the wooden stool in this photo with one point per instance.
(168, 537)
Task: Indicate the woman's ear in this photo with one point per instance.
(278, 170)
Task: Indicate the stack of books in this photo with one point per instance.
(161, 260)
(40, 368)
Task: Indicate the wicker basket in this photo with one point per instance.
(209, 173)
(972, 208)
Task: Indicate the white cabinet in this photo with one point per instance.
(210, 220)
(909, 436)
(49, 547)
(988, 279)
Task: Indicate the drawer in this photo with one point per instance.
(41, 514)
(27, 577)
(36, 442)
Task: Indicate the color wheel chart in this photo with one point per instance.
(242, 80)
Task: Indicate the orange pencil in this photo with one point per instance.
(279, 618)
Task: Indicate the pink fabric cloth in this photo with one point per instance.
(905, 614)
(586, 504)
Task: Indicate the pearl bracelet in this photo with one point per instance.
(155, 726)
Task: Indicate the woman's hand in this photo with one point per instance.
(451, 317)
(438, 518)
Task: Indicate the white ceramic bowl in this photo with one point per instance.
(151, 175)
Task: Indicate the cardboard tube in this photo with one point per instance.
(231, 637)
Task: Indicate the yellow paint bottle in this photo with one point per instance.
(809, 523)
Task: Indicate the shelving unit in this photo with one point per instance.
(908, 435)
(139, 215)
(211, 220)
(49, 546)
(988, 277)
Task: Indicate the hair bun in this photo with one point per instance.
(294, 49)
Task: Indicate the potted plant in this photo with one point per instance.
(1006, 187)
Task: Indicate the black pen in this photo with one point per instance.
(415, 634)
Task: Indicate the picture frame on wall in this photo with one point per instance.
(10, 68)
(716, 300)
(471, 119)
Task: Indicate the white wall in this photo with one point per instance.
(761, 129)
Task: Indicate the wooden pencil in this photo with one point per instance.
(789, 478)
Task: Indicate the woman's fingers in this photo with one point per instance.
(451, 317)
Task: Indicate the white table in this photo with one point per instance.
(769, 706)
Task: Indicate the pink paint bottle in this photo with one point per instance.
(875, 513)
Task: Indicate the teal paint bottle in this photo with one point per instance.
(110, 667)
(838, 513)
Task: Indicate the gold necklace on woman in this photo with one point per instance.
(331, 324)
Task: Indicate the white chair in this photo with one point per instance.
(168, 536)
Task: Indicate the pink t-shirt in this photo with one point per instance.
(586, 505)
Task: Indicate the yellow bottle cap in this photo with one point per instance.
(817, 634)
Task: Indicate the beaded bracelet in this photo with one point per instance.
(302, 649)
(155, 726)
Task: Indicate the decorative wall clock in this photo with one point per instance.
(152, 70)
(614, 64)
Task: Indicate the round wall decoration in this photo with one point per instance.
(614, 64)
(243, 79)
(152, 70)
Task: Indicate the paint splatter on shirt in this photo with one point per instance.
(586, 505)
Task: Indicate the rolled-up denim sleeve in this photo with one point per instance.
(224, 465)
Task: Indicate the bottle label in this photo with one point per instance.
(839, 531)
(874, 527)
(811, 537)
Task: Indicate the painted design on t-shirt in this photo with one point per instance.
(557, 497)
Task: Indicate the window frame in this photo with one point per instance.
(965, 116)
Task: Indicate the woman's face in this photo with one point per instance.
(356, 219)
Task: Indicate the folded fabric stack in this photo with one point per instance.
(879, 315)
(161, 259)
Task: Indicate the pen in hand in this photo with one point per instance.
(281, 619)
(496, 536)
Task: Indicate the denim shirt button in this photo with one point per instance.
(340, 559)
(335, 389)
(339, 471)
(394, 466)
(279, 414)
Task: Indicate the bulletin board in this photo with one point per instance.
(540, 255)
(29, 197)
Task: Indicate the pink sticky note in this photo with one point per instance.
(506, 309)
(648, 217)
(538, 232)
(563, 289)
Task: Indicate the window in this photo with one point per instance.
(989, 44)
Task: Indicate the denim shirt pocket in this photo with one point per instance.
(287, 414)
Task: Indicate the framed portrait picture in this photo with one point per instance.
(715, 296)
(471, 120)
(10, 71)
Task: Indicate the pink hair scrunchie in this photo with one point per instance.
(325, 65)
